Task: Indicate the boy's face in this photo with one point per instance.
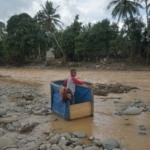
(73, 73)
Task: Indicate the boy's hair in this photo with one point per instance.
(71, 70)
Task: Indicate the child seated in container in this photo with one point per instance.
(70, 83)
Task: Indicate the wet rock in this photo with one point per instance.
(45, 146)
(64, 145)
(122, 88)
(142, 133)
(37, 108)
(142, 127)
(16, 142)
(97, 142)
(128, 124)
(37, 112)
(62, 138)
(31, 138)
(10, 147)
(79, 134)
(51, 135)
(19, 137)
(142, 105)
(56, 119)
(134, 104)
(16, 124)
(132, 111)
(110, 144)
(70, 148)
(4, 141)
(11, 128)
(28, 97)
(66, 135)
(55, 147)
(148, 107)
(91, 137)
(8, 125)
(28, 127)
(77, 143)
(2, 112)
(21, 103)
(29, 102)
(118, 113)
(7, 120)
(55, 139)
(32, 146)
(91, 148)
(104, 100)
(47, 131)
(78, 148)
(39, 142)
(74, 139)
(1, 133)
(4, 97)
(23, 141)
(41, 112)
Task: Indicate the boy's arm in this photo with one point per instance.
(76, 81)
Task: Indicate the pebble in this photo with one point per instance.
(16, 119)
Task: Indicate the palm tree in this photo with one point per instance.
(49, 19)
(146, 9)
(124, 9)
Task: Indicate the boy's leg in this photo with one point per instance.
(72, 101)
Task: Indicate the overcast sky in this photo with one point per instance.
(88, 10)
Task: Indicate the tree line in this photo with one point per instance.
(27, 38)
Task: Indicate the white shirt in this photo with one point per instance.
(71, 85)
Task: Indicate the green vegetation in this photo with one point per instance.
(26, 38)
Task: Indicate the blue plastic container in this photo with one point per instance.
(83, 97)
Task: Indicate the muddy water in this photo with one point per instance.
(104, 124)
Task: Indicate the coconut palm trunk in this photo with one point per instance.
(64, 56)
(50, 19)
(129, 36)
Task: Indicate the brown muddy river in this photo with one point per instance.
(104, 124)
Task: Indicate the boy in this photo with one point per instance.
(71, 81)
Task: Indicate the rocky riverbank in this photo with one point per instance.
(25, 123)
(104, 64)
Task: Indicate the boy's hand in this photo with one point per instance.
(85, 82)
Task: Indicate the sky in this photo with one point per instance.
(88, 10)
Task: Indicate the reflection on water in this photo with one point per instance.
(104, 124)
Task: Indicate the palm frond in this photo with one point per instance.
(56, 16)
(54, 10)
(148, 6)
(114, 2)
(48, 17)
(123, 8)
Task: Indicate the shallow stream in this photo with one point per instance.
(104, 124)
